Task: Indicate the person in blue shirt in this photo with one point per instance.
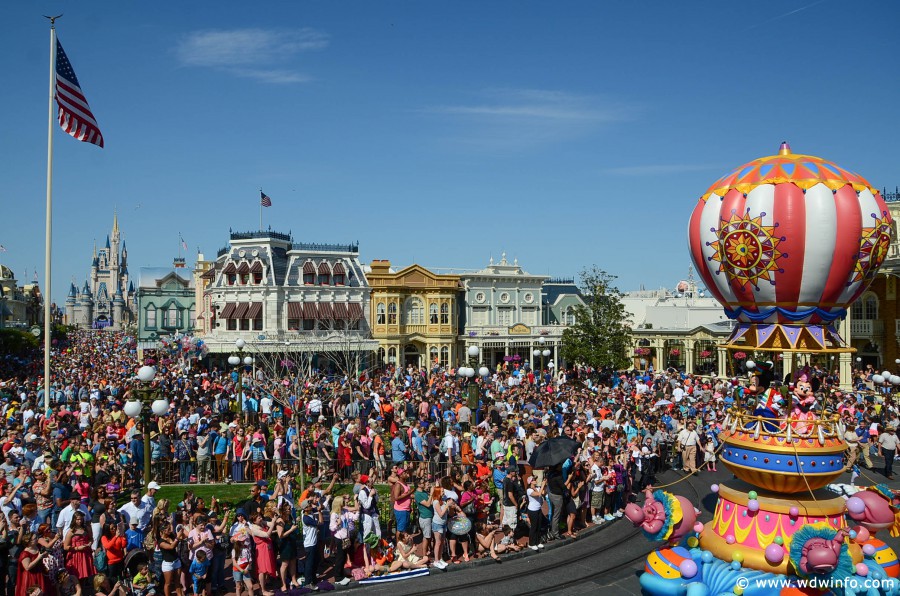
(398, 449)
(862, 431)
(134, 538)
(418, 451)
(199, 571)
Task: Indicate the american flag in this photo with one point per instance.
(264, 199)
(75, 115)
(183, 243)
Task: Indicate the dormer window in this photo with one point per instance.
(244, 273)
(339, 274)
(257, 272)
(324, 274)
(230, 273)
(309, 274)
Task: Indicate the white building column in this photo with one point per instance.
(722, 366)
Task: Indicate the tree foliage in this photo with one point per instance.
(601, 335)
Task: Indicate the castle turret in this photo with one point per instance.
(86, 318)
(118, 304)
(70, 304)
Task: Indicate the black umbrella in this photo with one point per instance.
(552, 452)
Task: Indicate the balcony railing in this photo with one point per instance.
(866, 327)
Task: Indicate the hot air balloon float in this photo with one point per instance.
(786, 243)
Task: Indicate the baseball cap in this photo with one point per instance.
(153, 485)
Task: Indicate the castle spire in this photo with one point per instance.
(115, 220)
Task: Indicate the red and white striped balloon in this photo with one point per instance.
(789, 239)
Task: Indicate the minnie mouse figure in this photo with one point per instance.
(803, 401)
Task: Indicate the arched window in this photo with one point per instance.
(445, 356)
(150, 316)
(379, 314)
(392, 313)
(172, 316)
(192, 318)
(433, 314)
(866, 307)
(445, 314)
(392, 355)
(433, 355)
(381, 355)
(414, 312)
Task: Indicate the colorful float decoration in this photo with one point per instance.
(786, 244)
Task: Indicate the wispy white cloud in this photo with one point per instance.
(524, 118)
(254, 53)
(659, 169)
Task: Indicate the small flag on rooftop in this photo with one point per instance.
(264, 199)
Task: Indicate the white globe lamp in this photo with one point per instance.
(877, 379)
(483, 371)
(234, 360)
(545, 353)
(541, 340)
(160, 407)
(248, 360)
(132, 409)
(473, 351)
(240, 343)
(145, 374)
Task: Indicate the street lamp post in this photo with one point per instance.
(543, 353)
(235, 360)
(469, 372)
(142, 407)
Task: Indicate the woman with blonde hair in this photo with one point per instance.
(343, 524)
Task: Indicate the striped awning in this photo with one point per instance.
(240, 311)
(256, 268)
(309, 311)
(295, 310)
(255, 310)
(339, 269)
(324, 268)
(325, 311)
(340, 311)
(229, 269)
(308, 267)
(243, 268)
(356, 311)
(227, 311)
(210, 274)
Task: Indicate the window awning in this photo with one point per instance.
(339, 269)
(240, 311)
(210, 274)
(324, 268)
(340, 311)
(227, 311)
(256, 268)
(295, 310)
(308, 267)
(356, 311)
(325, 311)
(243, 268)
(309, 311)
(255, 310)
(229, 269)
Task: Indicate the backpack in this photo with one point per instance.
(100, 560)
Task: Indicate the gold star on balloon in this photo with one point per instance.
(746, 250)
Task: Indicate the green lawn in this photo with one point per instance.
(232, 494)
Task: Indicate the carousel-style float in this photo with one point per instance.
(786, 243)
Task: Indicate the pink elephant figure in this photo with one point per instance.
(820, 556)
(878, 514)
(652, 517)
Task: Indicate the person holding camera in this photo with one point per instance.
(312, 523)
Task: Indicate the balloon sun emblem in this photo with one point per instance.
(873, 248)
(746, 250)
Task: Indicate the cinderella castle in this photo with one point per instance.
(107, 300)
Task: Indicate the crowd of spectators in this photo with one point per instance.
(345, 477)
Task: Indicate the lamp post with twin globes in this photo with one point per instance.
(543, 353)
(469, 373)
(143, 406)
(235, 360)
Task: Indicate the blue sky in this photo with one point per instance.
(565, 134)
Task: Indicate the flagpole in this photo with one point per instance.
(260, 208)
(49, 222)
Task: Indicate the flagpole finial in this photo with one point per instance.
(53, 20)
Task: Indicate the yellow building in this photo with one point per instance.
(413, 315)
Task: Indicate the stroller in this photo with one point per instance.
(133, 561)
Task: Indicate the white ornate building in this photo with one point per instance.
(284, 296)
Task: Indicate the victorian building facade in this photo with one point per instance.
(20, 306)
(501, 314)
(107, 298)
(166, 303)
(288, 297)
(413, 315)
